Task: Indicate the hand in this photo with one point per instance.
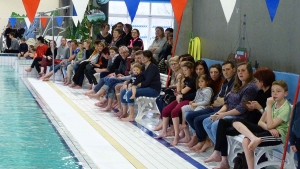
(220, 115)
(270, 101)
(178, 98)
(22, 53)
(179, 76)
(190, 103)
(255, 105)
(274, 132)
(98, 70)
(72, 62)
(194, 105)
(44, 56)
(49, 58)
(293, 148)
(120, 75)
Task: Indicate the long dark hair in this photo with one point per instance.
(238, 86)
(149, 54)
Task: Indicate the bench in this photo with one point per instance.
(144, 102)
(235, 146)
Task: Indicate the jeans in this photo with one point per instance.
(64, 69)
(111, 91)
(195, 119)
(147, 91)
(56, 68)
(99, 85)
(211, 127)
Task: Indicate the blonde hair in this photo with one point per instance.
(174, 59)
(137, 65)
(282, 84)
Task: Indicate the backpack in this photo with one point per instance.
(240, 161)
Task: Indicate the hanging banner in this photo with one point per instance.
(178, 8)
(132, 7)
(59, 21)
(27, 22)
(44, 21)
(272, 7)
(30, 8)
(228, 7)
(80, 6)
(75, 20)
(12, 21)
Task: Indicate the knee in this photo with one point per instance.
(236, 124)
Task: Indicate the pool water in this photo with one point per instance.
(27, 138)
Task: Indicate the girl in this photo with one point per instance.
(202, 99)
(186, 91)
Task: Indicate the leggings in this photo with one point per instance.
(174, 109)
(79, 74)
(265, 135)
(45, 63)
(36, 64)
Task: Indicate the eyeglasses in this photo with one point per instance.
(174, 64)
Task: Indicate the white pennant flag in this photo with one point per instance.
(27, 22)
(80, 7)
(75, 20)
(228, 7)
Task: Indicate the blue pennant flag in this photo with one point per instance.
(74, 11)
(272, 7)
(59, 21)
(132, 6)
(12, 22)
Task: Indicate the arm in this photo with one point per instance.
(160, 46)
(207, 94)
(271, 123)
(262, 121)
(152, 71)
(248, 93)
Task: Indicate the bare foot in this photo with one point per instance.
(254, 143)
(161, 135)
(215, 157)
(122, 116)
(46, 79)
(28, 70)
(222, 165)
(94, 96)
(181, 134)
(120, 113)
(89, 92)
(171, 133)
(67, 83)
(107, 109)
(197, 147)
(185, 139)
(175, 141)
(192, 142)
(72, 85)
(208, 144)
(129, 118)
(77, 87)
(158, 127)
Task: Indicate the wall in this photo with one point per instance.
(7, 7)
(273, 44)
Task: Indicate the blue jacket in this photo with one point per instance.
(295, 124)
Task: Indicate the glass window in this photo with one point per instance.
(117, 7)
(162, 9)
(143, 9)
(142, 25)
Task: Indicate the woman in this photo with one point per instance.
(201, 68)
(47, 59)
(127, 37)
(186, 92)
(92, 60)
(104, 35)
(150, 87)
(158, 42)
(264, 77)
(40, 51)
(136, 41)
(243, 90)
(117, 39)
(165, 53)
(215, 72)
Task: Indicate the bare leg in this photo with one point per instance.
(165, 123)
(28, 70)
(193, 141)
(89, 92)
(171, 131)
(77, 87)
(249, 154)
(208, 144)
(223, 164)
(197, 147)
(125, 108)
(158, 127)
(255, 141)
(176, 128)
(108, 107)
(133, 89)
(131, 114)
(187, 136)
(215, 157)
(47, 75)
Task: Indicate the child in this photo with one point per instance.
(23, 48)
(136, 78)
(202, 99)
(295, 134)
(272, 126)
(31, 53)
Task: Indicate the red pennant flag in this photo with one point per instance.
(178, 8)
(44, 21)
(31, 7)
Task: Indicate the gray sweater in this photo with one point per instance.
(159, 44)
(203, 96)
(14, 44)
(62, 52)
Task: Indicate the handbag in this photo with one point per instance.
(89, 66)
(57, 61)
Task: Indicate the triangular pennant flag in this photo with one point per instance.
(178, 8)
(44, 21)
(228, 7)
(272, 7)
(75, 20)
(80, 6)
(27, 22)
(132, 7)
(74, 11)
(12, 22)
(31, 7)
(59, 21)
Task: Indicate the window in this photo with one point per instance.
(148, 17)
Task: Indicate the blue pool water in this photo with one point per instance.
(27, 138)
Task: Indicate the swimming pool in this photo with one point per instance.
(28, 139)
